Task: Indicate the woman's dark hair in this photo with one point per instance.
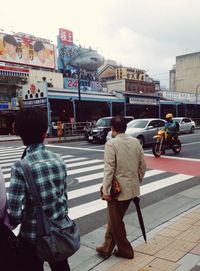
(31, 125)
(38, 46)
(118, 123)
(9, 39)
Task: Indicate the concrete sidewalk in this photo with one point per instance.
(7, 138)
(173, 233)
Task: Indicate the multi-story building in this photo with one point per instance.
(118, 78)
(185, 74)
(24, 61)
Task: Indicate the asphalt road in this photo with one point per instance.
(85, 167)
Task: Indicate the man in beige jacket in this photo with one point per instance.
(124, 161)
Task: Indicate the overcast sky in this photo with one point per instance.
(146, 34)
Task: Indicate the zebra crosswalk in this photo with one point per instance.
(87, 173)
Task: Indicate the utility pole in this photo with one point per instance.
(79, 87)
(196, 97)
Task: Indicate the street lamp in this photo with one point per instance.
(196, 96)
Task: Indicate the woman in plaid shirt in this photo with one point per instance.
(50, 175)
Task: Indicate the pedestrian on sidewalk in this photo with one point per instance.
(123, 161)
(50, 176)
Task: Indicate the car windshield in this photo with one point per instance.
(137, 124)
(103, 122)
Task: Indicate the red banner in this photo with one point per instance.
(66, 36)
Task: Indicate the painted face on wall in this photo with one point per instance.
(10, 49)
(41, 55)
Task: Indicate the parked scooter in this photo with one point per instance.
(164, 142)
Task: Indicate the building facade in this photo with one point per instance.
(185, 74)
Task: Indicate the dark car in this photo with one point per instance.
(99, 132)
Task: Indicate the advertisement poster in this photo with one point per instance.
(35, 95)
(23, 50)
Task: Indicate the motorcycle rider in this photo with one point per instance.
(170, 127)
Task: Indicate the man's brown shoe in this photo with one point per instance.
(100, 250)
(119, 254)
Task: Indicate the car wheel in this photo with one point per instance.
(192, 130)
(141, 139)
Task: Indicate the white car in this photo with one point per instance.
(143, 129)
(186, 125)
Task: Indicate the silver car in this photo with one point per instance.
(143, 129)
(186, 125)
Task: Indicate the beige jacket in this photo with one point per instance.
(124, 160)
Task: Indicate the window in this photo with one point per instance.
(186, 120)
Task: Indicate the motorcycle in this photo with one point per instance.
(164, 142)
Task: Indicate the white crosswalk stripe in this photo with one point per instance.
(88, 174)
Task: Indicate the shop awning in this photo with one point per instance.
(13, 72)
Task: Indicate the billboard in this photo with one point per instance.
(26, 51)
(70, 56)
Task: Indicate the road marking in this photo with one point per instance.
(88, 162)
(66, 160)
(73, 148)
(153, 172)
(81, 170)
(85, 166)
(7, 175)
(151, 187)
(185, 166)
(175, 158)
(97, 205)
(95, 188)
(90, 177)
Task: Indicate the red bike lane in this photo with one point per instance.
(175, 165)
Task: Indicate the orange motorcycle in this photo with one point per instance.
(165, 142)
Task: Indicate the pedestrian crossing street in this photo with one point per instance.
(83, 194)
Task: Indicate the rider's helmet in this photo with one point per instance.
(169, 117)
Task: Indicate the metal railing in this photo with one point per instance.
(72, 129)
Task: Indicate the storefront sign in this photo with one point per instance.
(140, 100)
(66, 36)
(181, 96)
(35, 103)
(15, 72)
(4, 106)
(35, 94)
(96, 86)
(70, 83)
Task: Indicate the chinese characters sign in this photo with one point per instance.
(66, 36)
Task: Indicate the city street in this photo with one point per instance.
(166, 176)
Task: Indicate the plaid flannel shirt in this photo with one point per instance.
(50, 174)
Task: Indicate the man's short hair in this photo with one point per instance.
(31, 125)
(38, 46)
(118, 123)
(9, 39)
